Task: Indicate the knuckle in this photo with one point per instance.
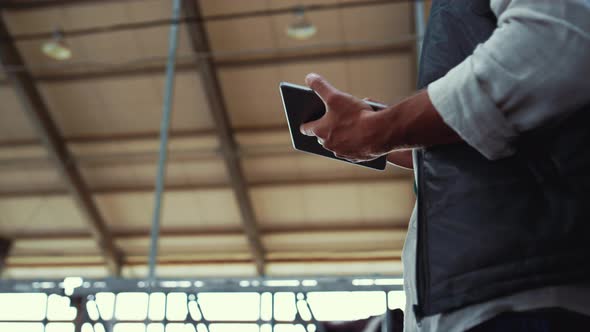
(316, 84)
(320, 133)
(333, 98)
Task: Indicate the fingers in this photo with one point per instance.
(321, 86)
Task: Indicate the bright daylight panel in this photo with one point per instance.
(396, 300)
(59, 327)
(155, 327)
(326, 306)
(233, 328)
(266, 306)
(343, 306)
(157, 306)
(285, 309)
(230, 306)
(21, 327)
(59, 308)
(105, 303)
(176, 308)
(131, 306)
(289, 328)
(129, 327)
(180, 327)
(24, 306)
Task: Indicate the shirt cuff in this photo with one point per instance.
(465, 106)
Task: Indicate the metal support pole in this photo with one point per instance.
(203, 319)
(420, 22)
(319, 326)
(387, 325)
(79, 303)
(272, 312)
(5, 245)
(164, 126)
(110, 326)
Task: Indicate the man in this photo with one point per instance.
(500, 236)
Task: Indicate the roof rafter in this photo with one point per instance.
(38, 113)
(278, 57)
(208, 75)
(405, 177)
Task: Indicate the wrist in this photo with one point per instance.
(385, 129)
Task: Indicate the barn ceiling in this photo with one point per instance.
(313, 216)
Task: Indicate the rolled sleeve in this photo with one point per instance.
(468, 110)
(531, 71)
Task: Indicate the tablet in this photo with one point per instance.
(303, 105)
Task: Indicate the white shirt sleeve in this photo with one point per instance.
(533, 69)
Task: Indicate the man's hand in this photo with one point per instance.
(349, 128)
(353, 131)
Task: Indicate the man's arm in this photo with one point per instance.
(533, 69)
(399, 158)
(353, 131)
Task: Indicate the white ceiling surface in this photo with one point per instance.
(350, 224)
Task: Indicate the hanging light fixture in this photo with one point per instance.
(56, 48)
(301, 28)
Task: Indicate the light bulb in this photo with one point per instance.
(57, 48)
(301, 28)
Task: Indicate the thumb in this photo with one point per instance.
(321, 86)
(310, 128)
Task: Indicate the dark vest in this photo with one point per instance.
(492, 228)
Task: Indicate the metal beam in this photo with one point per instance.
(146, 135)
(212, 285)
(39, 4)
(229, 149)
(220, 261)
(37, 111)
(44, 253)
(406, 177)
(262, 58)
(123, 235)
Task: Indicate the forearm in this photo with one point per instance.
(412, 123)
